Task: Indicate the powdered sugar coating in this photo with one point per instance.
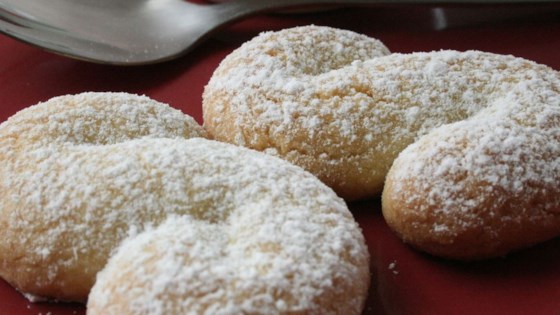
(492, 189)
(81, 173)
(345, 114)
(269, 95)
(97, 119)
(65, 179)
(263, 237)
(487, 185)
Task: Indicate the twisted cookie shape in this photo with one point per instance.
(209, 227)
(337, 104)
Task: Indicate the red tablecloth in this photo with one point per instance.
(403, 281)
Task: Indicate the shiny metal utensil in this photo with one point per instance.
(132, 32)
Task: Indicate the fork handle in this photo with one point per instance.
(265, 5)
(237, 9)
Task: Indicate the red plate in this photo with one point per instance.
(404, 281)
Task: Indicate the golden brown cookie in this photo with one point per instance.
(336, 103)
(262, 237)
